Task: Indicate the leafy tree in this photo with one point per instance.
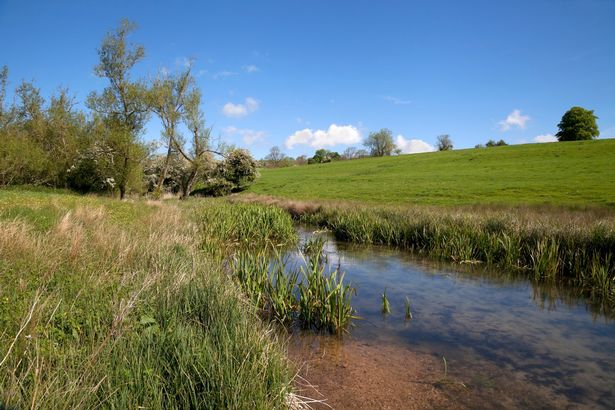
(322, 156)
(4, 75)
(239, 168)
(492, 143)
(123, 105)
(380, 143)
(578, 124)
(444, 143)
(197, 159)
(167, 98)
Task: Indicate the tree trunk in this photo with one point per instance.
(163, 174)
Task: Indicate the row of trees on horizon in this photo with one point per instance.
(576, 124)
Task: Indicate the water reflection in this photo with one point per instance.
(493, 327)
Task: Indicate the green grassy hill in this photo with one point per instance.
(567, 173)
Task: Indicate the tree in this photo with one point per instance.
(167, 98)
(239, 168)
(123, 104)
(380, 143)
(275, 157)
(492, 143)
(349, 153)
(578, 124)
(444, 142)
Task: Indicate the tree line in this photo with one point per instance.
(576, 124)
(101, 150)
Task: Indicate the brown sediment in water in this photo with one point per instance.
(353, 374)
(356, 375)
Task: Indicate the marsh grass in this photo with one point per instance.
(120, 305)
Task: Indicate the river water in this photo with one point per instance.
(507, 342)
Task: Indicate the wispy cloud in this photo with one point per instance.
(545, 138)
(240, 110)
(224, 74)
(250, 68)
(334, 135)
(248, 136)
(183, 61)
(396, 100)
(514, 119)
(412, 146)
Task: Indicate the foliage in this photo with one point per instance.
(118, 310)
(492, 143)
(444, 143)
(577, 124)
(214, 187)
(122, 106)
(380, 143)
(308, 296)
(571, 174)
(322, 156)
(239, 168)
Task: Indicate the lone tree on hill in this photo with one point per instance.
(380, 144)
(578, 124)
(445, 143)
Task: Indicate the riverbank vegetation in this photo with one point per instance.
(567, 247)
(129, 304)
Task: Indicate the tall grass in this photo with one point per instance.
(119, 305)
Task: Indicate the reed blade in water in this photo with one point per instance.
(407, 306)
(386, 306)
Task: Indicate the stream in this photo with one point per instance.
(480, 339)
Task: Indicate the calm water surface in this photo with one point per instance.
(492, 328)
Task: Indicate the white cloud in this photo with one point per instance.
(240, 110)
(412, 146)
(249, 136)
(514, 119)
(250, 68)
(395, 100)
(545, 138)
(336, 134)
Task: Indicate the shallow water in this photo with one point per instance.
(500, 334)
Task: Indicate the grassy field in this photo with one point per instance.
(571, 173)
(131, 305)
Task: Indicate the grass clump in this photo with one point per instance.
(307, 296)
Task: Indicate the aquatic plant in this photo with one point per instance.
(309, 295)
(407, 309)
(386, 306)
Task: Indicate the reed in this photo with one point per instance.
(306, 295)
(408, 314)
(386, 306)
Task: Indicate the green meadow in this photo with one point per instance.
(570, 174)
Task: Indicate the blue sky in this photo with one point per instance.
(310, 74)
